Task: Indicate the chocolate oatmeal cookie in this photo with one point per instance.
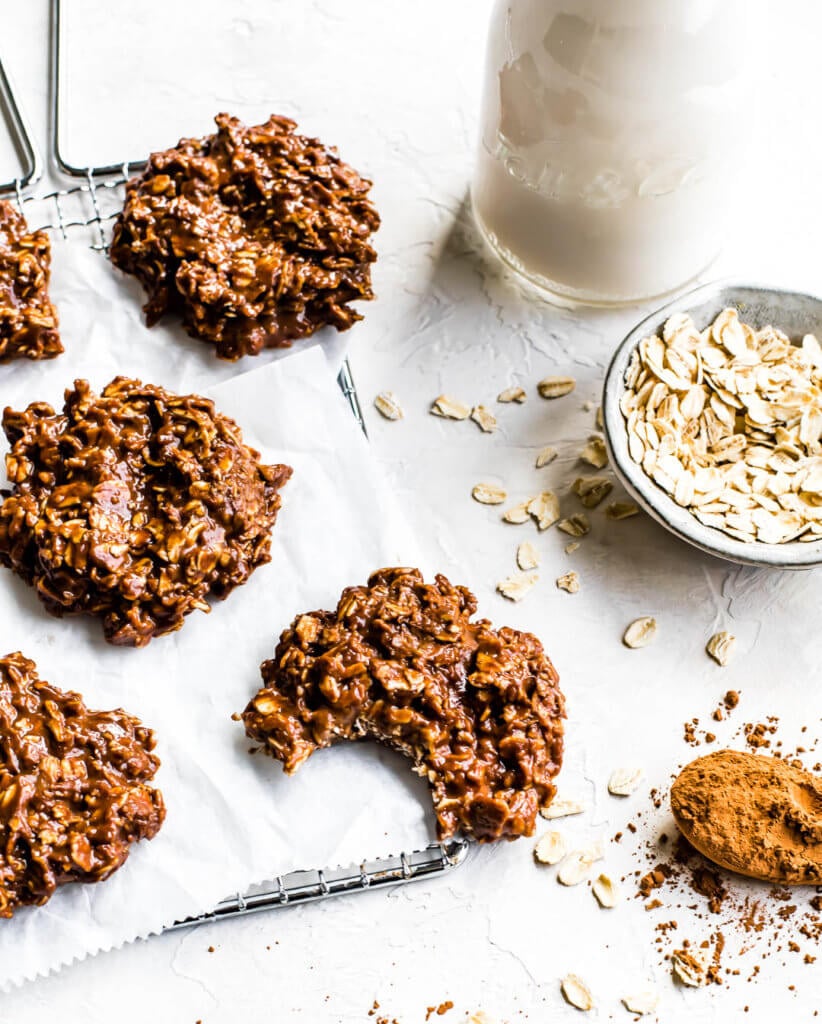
(28, 320)
(136, 506)
(74, 787)
(255, 236)
(477, 709)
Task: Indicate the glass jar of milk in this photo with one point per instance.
(612, 140)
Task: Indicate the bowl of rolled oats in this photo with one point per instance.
(712, 409)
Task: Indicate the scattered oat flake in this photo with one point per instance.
(572, 547)
(450, 408)
(624, 781)
(721, 647)
(388, 405)
(577, 865)
(550, 848)
(621, 510)
(576, 992)
(514, 394)
(556, 387)
(518, 514)
(575, 526)
(640, 632)
(569, 582)
(591, 490)
(600, 424)
(517, 586)
(546, 456)
(641, 1002)
(545, 509)
(606, 891)
(595, 453)
(562, 809)
(484, 419)
(488, 494)
(687, 968)
(527, 556)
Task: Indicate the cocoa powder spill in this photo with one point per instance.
(732, 926)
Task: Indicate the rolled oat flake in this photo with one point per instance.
(559, 808)
(576, 992)
(450, 408)
(641, 1002)
(624, 781)
(606, 891)
(527, 556)
(515, 587)
(556, 387)
(688, 969)
(550, 849)
(720, 647)
(388, 405)
(577, 865)
(488, 494)
(640, 632)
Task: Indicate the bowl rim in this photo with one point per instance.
(650, 496)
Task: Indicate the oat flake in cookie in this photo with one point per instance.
(255, 236)
(75, 787)
(478, 710)
(135, 505)
(28, 320)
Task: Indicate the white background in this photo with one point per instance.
(395, 86)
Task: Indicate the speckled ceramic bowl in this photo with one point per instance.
(793, 312)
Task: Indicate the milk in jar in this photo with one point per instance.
(613, 140)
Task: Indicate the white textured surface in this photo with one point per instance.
(498, 934)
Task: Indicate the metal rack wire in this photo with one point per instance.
(32, 168)
(310, 886)
(91, 205)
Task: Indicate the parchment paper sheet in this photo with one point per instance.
(232, 819)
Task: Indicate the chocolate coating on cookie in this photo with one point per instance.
(255, 236)
(477, 709)
(74, 787)
(136, 505)
(28, 320)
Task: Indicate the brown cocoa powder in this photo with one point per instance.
(756, 815)
(734, 922)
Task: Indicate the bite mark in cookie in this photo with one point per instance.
(478, 710)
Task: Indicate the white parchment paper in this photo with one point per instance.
(232, 819)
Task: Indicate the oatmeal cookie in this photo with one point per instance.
(28, 320)
(478, 710)
(75, 787)
(135, 505)
(255, 236)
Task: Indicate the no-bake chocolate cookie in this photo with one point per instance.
(74, 787)
(136, 506)
(255, 236)
(28, 320)
(477, 709)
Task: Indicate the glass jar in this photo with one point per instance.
(612, 140)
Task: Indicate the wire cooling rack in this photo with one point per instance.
(91, 206)
(20, 137)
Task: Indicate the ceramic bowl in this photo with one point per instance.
(796, 314)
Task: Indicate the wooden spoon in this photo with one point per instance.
(753, 814)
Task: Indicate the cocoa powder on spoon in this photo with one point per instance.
(753, 814)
